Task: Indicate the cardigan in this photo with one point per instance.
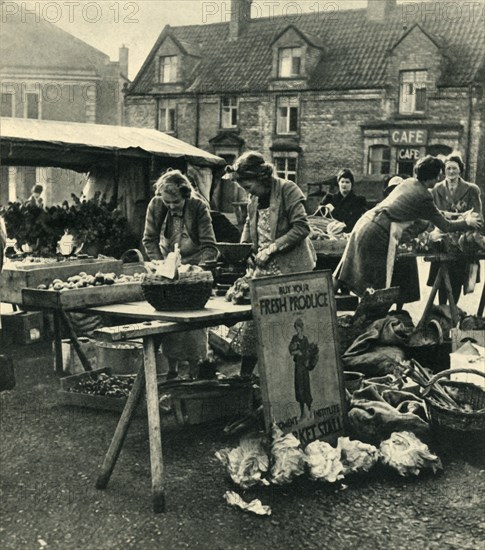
(465, 197)
(197, 220)
(290, 229)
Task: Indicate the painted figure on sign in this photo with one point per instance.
(300, 350)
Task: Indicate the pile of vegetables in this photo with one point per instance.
(333, 230)
(103, 384)
(83, 280)
(239, 291)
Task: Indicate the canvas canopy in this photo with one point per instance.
(79, 146)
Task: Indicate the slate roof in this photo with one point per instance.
(41, 46)
(355, 55)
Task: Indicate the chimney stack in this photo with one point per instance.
(379, 10)
(123, 60)
(240, 17)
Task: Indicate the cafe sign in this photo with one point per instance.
(408, 136)
(409, 154)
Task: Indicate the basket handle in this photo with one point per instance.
(444, 373)
(323, 212)
(125, 254)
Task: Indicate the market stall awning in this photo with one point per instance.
(76, 145)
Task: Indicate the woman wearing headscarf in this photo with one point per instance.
(276, 226)
(365, 260)
(177, 216)
(456, 195)
(345, 206)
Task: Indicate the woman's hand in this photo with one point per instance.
(330, 208)
(473, 220)
(264, 255)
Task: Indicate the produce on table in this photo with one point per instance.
(103, 384)
(246, 464)
(469, 242)
(333, 230)
(288, 459)
(84, 280)
(239, 291)
(356, 456)
(324, 462)
(404, 452)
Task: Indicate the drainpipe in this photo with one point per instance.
(469, 132)
(157, 114)
(197, 119)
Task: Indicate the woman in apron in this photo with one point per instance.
(176, 216)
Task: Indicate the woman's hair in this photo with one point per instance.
(174, 182)
(38, 188)
(428, 168)
(456, 157)
(347, 174)
(299, 323)
(251, 165)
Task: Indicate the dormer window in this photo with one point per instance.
(168, 69)
(289, 63)
(412, 92)
(229, 112)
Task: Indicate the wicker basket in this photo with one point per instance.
(190, 291)
(320, 218)
(464, 394)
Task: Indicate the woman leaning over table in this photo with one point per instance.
(456, 195)
(177, 216)
(277, 226)
(365, 260)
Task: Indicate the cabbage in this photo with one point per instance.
(246, 464)
(404, 452)
(324, 461)
(288, 460)
(356, 456)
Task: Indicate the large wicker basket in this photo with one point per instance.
(190, 291)
(464, 393)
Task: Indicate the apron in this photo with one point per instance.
(191, 345)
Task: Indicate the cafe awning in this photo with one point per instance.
(27, 142)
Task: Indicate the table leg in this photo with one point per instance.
(58, 344)
(455, 317)
(121, 430)
(155, 436)
(432, 295)
(481, 305)
(75, 342)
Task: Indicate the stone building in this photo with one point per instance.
(48, 74)
(373, 89)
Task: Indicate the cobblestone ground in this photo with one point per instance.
(50, 455)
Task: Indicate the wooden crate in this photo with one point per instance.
(459, 337)
(79, 298)
(13, 280)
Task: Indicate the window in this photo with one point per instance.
(289, 63)
(287, 115)
(286, 167)
(436, 150)
(167, 116)
(168, 68)
(229, 112)
(412, 92)
(6, 104)
(379, 159)
(32, 105)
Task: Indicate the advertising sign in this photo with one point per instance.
(298, 356)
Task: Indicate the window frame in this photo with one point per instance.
(228, 112)
(39, 104)
(382, 161)
(170, 116)
(287, 172)
(292, 106)
(13, 104)
(289, 70)
(172, 68)
(409, 106)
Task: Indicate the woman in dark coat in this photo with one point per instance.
(454, 194)
(299, 350)
(345, 206)
(364, 262)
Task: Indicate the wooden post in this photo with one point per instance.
(432, 295)
(75, 342)
(481, 306)
(124, 422)
(155, 436)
